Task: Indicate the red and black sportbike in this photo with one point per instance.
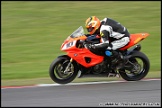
(81, 61)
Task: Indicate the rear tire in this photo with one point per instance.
(57, 67)
(142, 73)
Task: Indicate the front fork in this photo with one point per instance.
(67, 67)
(71, 60)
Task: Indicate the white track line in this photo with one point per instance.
(100, 82)
(84, 83)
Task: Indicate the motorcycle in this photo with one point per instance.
(81, 61)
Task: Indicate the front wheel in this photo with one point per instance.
(57, 70)
(136, 68)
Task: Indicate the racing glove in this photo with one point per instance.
(91, 37)
(90, 46)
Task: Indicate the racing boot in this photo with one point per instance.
(118, 60)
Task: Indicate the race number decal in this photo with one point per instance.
(68, 45)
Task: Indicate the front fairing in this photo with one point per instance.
(80, 54)
(71, 40)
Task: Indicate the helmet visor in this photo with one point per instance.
(90, 29)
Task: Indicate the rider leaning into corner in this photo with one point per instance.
(113, 35)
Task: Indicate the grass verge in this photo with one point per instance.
(47, 80)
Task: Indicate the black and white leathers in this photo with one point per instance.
(113, 35)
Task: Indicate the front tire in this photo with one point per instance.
(57, 68)
(142, 69)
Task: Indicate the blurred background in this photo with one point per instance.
(32, 32)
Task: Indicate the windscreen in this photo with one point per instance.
(78, 32)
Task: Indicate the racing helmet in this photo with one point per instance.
(92, 24)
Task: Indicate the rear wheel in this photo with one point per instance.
(136, 68)
(57, 70)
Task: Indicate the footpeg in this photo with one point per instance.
(113, 75)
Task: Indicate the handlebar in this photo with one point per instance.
(90, 40)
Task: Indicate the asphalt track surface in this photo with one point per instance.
(104, 94)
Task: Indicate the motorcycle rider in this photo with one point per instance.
(113, 35)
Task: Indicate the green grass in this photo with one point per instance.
(33, 31)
